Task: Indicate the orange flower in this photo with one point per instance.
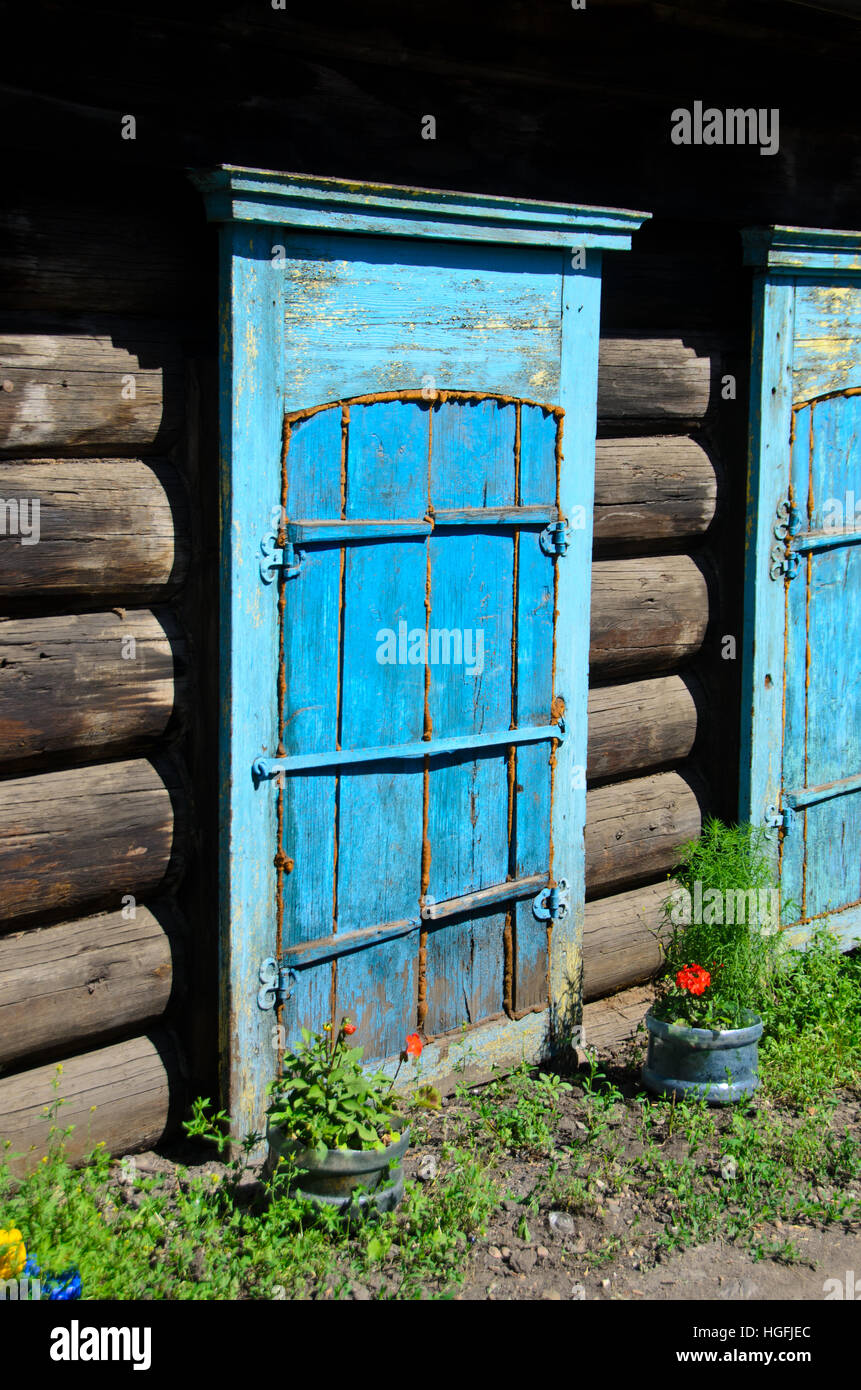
(414, 1045)
(349, 1029)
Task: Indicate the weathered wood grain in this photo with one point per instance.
(89, 681)
(609, 1022)
(127, 1096)
(105, 526)
(89, 834)
(77, 387)
(644, 379)
(621, 936)
(652, 489)
(649, 613)
(62, 985)
(634, 828)
(640, 724)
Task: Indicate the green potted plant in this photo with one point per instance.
(724, 916)
(341, 1128)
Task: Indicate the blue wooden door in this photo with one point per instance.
(409, 385)
(416, 632)
(803, 777)
(821, 845)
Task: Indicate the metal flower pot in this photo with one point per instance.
(333, 1180)
(717, 1065)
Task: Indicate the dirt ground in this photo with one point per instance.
(608, 1248)
(565, 1256)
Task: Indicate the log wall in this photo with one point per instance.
(99, 665)
(106, 644)
(661, 701)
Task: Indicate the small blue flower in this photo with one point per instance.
(62, 1286)
(31, 1269)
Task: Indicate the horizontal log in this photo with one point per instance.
(608, 1023)
(89, 681)
(649, 613)
(89, 834)
(73, 388)
(63, 985)
(652, 489)
(621, 938)
(640, 724)
(127, 1096)
(102, 526)
(634, 828)
(647, 379)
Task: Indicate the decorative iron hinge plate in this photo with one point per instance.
(555, 538)
(784, 561)
(552, 903)
(774, 819)
(276, 983)
(287, 560)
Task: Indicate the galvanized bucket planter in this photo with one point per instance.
(333, 1180)
(718, 1065)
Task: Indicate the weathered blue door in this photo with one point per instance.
(417, 645)
(804, 580)
(408, 424)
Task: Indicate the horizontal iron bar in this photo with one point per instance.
(302, 532)
(803, 541)
(305, 532)
(328, 947)
(499, 893)
(308, 953)
(495, 516)
(432, 748)
(809, 796)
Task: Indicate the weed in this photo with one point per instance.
(518, 1111)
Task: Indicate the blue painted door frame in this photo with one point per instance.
(801, 727)
(408, 403)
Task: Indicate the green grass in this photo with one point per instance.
(812, 1041)
(200, 1240)
(205, 1239)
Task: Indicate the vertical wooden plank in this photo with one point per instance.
(581, 297)
(380, 816)
(833, 862)
(795, 600)
(312, 603)
(471, 594)
(250, 486)
(833, 680)
(768, 481)
(533, 700)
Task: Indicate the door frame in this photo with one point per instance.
(784, 258)
(257, 210)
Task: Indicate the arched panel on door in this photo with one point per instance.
(417, 729)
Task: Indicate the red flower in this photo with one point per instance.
(349, 1029)
(414, 1045)
(694, 978)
